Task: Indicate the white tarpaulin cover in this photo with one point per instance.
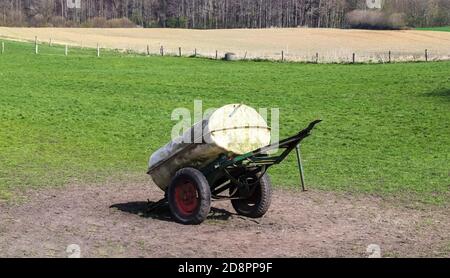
(233, 129)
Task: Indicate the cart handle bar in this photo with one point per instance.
(290, 142)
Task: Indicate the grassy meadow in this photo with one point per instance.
(442, 29)
(385, 129)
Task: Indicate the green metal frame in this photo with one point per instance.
(231, 170)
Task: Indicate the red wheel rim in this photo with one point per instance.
(186, 197)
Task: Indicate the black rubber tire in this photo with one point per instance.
(260, 199)
(203, 196)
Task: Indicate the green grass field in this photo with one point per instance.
(385, 130)
(442, 29)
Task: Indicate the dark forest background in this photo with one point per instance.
(212, 14)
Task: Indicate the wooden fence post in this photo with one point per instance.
(179, 51)
(282, 55)
(217, 56)
(426, 55)
(195, 52)
(317, 57)
(161, 50)
(353, 58)
(389, 56)
(148, 50)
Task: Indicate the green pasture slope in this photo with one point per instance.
(442, 29)
(385, 130)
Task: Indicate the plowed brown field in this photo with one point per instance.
(297, 43)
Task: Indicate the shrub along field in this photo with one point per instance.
(385, 129)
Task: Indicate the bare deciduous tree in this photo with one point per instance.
(216, 13)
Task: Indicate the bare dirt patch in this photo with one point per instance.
(298, 44)
(112, 220)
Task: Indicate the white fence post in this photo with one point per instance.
(36, 46)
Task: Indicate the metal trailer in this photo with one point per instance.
(242, 179)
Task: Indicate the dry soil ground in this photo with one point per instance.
(111, 220)
(297, 43)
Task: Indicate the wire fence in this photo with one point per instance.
(321, 57)
(332, 56)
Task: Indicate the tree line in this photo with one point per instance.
(214, 14)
